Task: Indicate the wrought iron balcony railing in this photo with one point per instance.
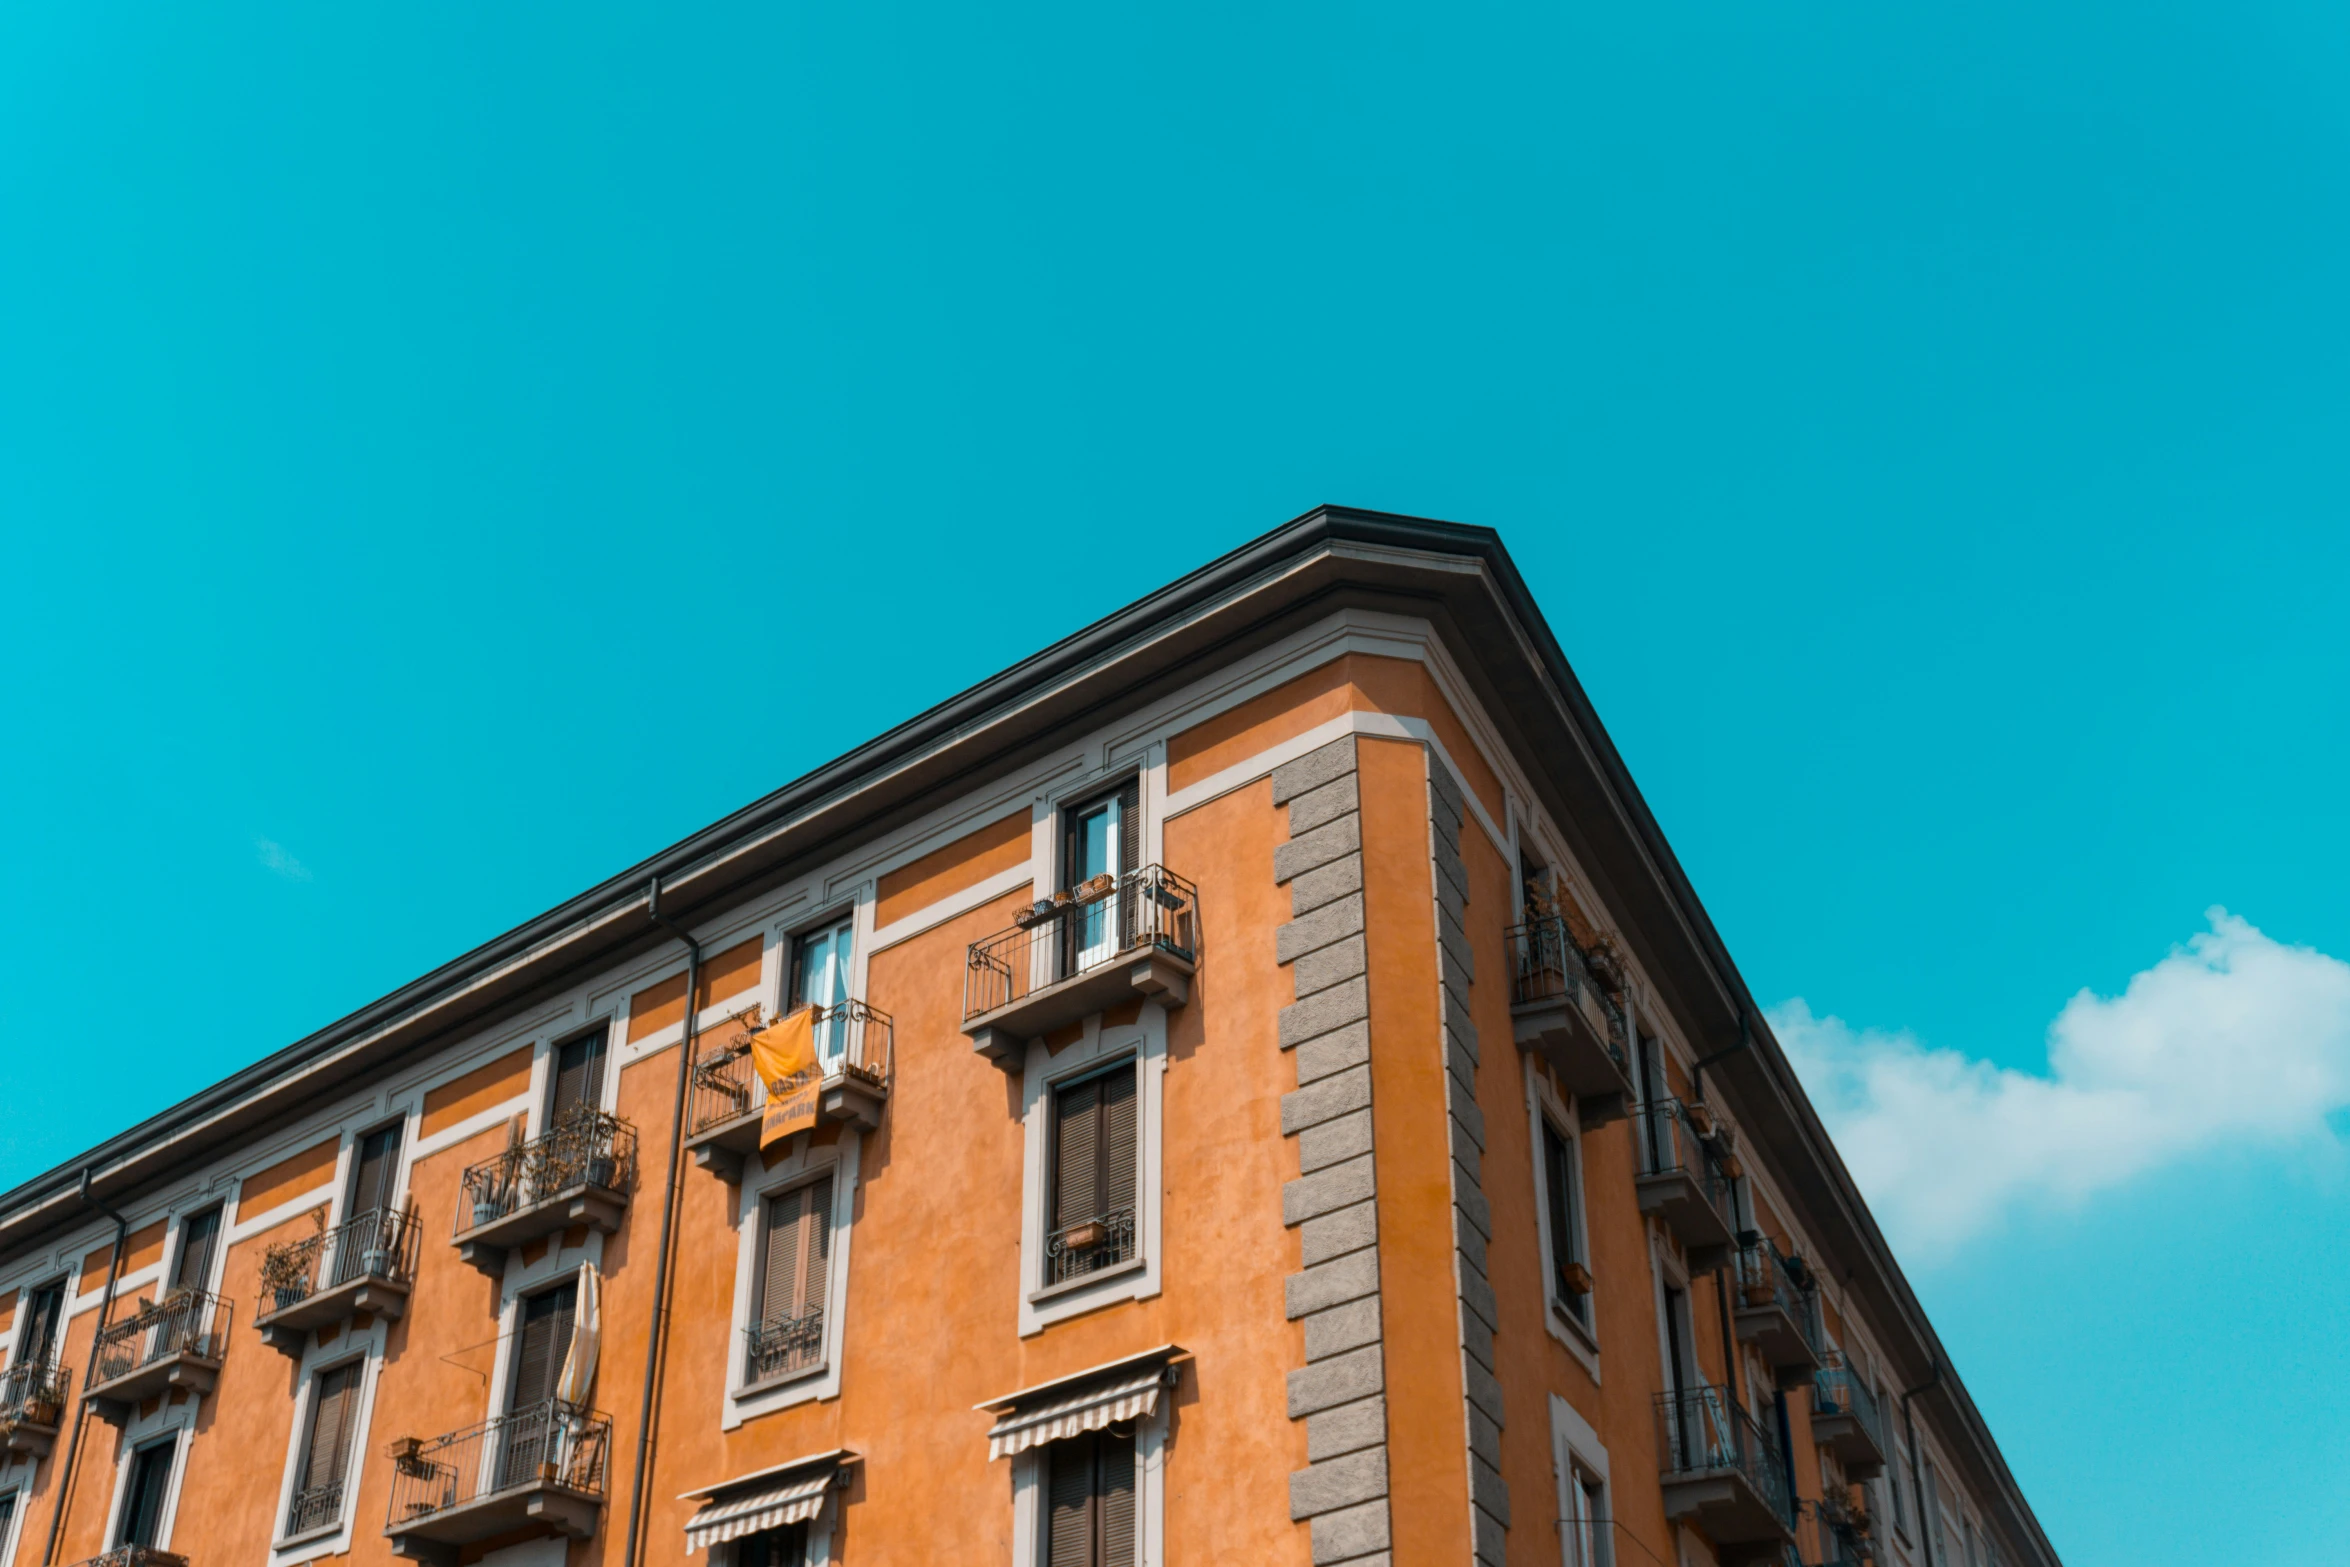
(1547, 965)
(856, 1043)
(1682, 1183)
(1847, 1419)
(586, 1151)
(379, 1244)
(188, 1323)
(1778, 1311)
(1702, 1433)
(135, 1556)
(1109, 919)
(1089, 1246)
(34, 1393)
(314, 1507)
(550, 1444)
(783, 1346)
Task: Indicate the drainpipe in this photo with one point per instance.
(1917, 1484)
(81, 1413)
(660, 1325)
(1697, 1067)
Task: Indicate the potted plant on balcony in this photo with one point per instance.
(402, 1451)
(1086, 1236)
(1575, 1278)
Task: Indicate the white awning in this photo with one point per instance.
(1072, 1406)
(764, 1501)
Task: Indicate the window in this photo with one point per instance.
(1893, 1472)
(1089, 1501)
(578, 1076)
(1089, 1225)
(44, 1309)
(367, 1208)
(1584, 1528)
(785, 1547)
(141, 1522)
(1930, 1505)
(820, 978)
(199, 1235)
(326, 1456)
(7, 1521)
(542, 1337)
(795, 1274)
(1570, 1273)
(1102, 837)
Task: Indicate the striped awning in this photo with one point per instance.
(1071, 1406)
(764, 1501)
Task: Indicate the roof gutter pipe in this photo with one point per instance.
(81, 1412)
(654, 1340)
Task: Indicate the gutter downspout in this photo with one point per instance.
(1917, 1484)
(81, 1413)
(1697, 1067)
(655, 1339)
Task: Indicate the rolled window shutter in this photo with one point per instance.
(1130, 924)
(780, 1280)
(40, 1332)
(194, 1268)
(1069, 1504)
(371, 1183)
(1118, 1140)
(816, 1227)
(1116, 1488)
(330, 1428)
(1077, 1114)
(544, 1341)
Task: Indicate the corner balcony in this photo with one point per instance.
(857, 1045)
(1778, 1312)
(32, 1406)
(174, 1344)
(1558, 1010)
(1681, 1183)
(581, 1172)
(540, 1468)
(1846, 1420)
(1113, 940)
(1723, 1473)
(367, 1263)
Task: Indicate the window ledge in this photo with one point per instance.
(286, 1542)
(772, 1384)
(1067, 1287)
(1560, 1315)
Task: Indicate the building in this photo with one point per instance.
(1279, 1101)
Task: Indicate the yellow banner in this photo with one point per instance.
(784, 1056)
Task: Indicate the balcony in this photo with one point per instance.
(1078, 1251)
(1680, 1182)
(1724, 1473)
(538, 1468)
(172, 1344)
(782, 1347)
(135, 1556)
(581, 1172)
(1115, 939)
(366, 1264)
(1558, 1010)
(857, 1045)
(1778, 1312)
(1837, 1534)
(1846, 1420)
(32, 1405)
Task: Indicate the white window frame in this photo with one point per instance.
(175, 1423)
(1150, 1496)
(366, 1351)
(804, 1160)
(1146, 1040)
(1544, 1103)
(1575, 1445)
(13, 1530)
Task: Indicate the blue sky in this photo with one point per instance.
(1923, 425)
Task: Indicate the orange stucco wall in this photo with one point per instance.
(966, 862)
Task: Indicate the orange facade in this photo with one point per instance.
(1363, 1276)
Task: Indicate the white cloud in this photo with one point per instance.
(2232, 1040)
(274, 856)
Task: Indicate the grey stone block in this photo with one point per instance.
(1469, 1244)
(1353, 1533)
(1324, 1011)
(1477, 1295)
(1332, 1141)
(1459, 1061)
(1347, 1429)
(1461, 1031)
(1477, 1339)
(1468, 1164)
(1353, 1276)
(1465, 1112)
(1487, 1541)
(1342, 1328)
(1483, 1391)
(1484, 1436)
(1342, 1379)
(1488, 1490)
(1471, 1203)
(1325, 1191)
(1338, 1482)
(1333, 1052)
(1331, 922)
(1325, 884)
(1341, 1093)
(1333, 965)
(1316, 806)
(1314, 769)
(1319, 847)
(1337, 1234)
